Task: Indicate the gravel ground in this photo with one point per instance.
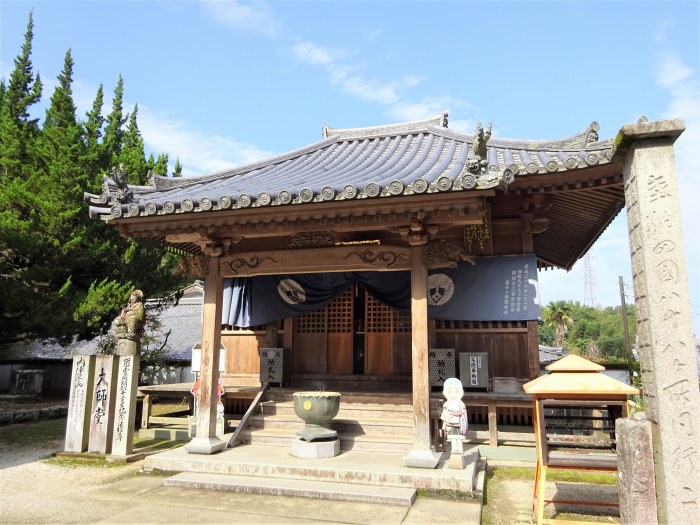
(34, 491)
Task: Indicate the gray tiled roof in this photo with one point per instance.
(549, 354)
(183, 320)
(403, 159)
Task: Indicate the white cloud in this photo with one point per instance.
(347, 76)
(681, 82)
(392, 95)
(664, 29)
(255, 17)
(199, 152)
(407, 110)
(310, 53)
(671, 72)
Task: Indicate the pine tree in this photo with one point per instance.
(113, 137)
(23, 90)
(62, 274)
(92, 133)
(160, 167)
(132, 156)
(17, 130)
(177, 172)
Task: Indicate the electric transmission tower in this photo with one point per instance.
(589, 298)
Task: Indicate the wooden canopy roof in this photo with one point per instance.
(574, 375)
(398, 172)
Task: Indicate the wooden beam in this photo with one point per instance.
(356, 258)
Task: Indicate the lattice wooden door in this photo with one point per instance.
(323, 339)
(388, 340)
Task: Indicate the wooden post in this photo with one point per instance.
(533, 350)
(146, 411)
(421, 456)
(206, 441)
(493, 424)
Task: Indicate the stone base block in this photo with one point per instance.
(205, 446)
(422, 459)
(316, 449)
(128, 458)
(458, 461)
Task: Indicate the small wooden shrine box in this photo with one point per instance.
(575, 406)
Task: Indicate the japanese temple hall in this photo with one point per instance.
(379, 261)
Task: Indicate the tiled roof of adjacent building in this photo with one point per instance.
(181, 321)
(403, 159)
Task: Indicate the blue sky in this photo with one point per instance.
(221, 84)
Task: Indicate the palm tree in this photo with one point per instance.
(558, 314)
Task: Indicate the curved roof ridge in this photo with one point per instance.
(438, 121)
(161, 182)
(585, 140)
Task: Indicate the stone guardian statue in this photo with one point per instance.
(130, 325)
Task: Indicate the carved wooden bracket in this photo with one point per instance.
(316, 239)
(442, 254)
(418, 233)
(194, 266)
(210, 245)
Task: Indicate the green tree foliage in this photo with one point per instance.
(161, 165)
(177, 172)
(594, 333)
(131, 157)
(94, 149)
(114, 129)
(17, 127)
(558, 315)
(61, 273)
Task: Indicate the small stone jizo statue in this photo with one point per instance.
(130, 325)
(454, 414)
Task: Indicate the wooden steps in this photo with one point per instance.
(371, 422)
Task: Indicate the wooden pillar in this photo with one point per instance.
(533, 350)
(206, 441)
(421, 456)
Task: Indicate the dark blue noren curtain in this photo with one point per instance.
(495, 288)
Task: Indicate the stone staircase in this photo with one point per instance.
(377, 422)
(370, 477)
(375, 431)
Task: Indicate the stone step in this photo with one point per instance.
(385, 495)
(373, 468)
(285, 437)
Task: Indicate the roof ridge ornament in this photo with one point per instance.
(476, 172)
(592, 133)
(478, 163)
(123, 194)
